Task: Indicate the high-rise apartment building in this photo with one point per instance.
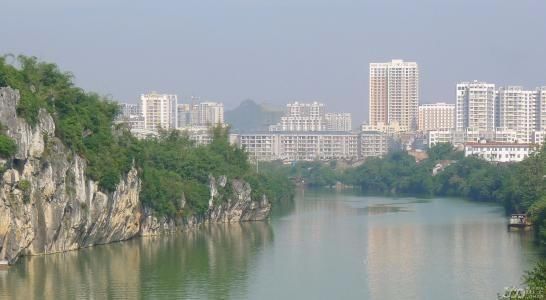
(507, 114)
(312, 117)
(310, 110)
(129, 109)
(210, 113)
(131, 115)
(394, 94)
(186, 115)
(158, 110)
(475, 106)
(519, 110)
(338, 121)
(436, 116)
(541, 95)
(204, 114)
(303, 117)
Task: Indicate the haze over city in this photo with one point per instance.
(279, 51)
(273, 149)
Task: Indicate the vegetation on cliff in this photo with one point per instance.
(171, 166)
(7, 144)
(83, 120)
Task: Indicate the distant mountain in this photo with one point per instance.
(250, 116)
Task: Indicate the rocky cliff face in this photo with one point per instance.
(48, 205)
(238, 207)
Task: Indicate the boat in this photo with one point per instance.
(519, 221)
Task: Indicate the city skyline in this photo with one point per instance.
(314, 50)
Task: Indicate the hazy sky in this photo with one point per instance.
(279, 50)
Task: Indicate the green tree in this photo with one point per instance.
(535, 280)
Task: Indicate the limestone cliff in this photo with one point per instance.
(48, 205)
(238, 207)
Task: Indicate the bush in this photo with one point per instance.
(8, 148)
(24, 186)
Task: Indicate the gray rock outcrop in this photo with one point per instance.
(48, 205)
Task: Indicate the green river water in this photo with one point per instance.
(323, 245)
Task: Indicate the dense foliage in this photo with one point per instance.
(171, 166)
(7, 146)
(535, 280)
(397, 173)
(519, 187)
(83, 120)
(174, 166)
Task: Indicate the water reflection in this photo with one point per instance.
(324, 245)
(207, 262)
(445, 252)
(284, 207)
(379, 209)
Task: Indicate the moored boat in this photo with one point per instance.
(519, 221)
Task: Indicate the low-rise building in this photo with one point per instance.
(499, 152)
(459, 137)
(294, 146)
(261, 146)
(373, 144)
(441, 136)
(392, 128)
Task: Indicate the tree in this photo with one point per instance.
(536, 282)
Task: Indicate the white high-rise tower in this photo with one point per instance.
(475, 106)
(158, 110)
(394, 94)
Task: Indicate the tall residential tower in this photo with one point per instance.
(475, 106)
(394, 94)
(158, 110)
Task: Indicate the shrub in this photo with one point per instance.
(8, 147)
(24, 186)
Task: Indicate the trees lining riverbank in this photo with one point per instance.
(518, 187)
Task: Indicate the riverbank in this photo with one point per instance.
(518, 187)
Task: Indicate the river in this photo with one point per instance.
(323, 245)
